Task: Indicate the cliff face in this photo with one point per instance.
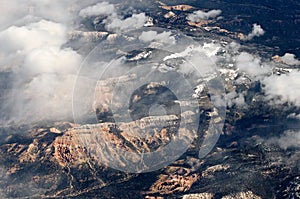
(100, 141)
(69, 161)
(52, 163)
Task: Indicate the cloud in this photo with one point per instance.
(13, 11)
(230, 99)
(202, 57)
(43, 72)
(250, 64)
(164, 37)
(51, 60)
(116, 24)
(45, 97)
(234, 98)
(201, 15)
(209, 49)
(294, 116)
(290, 59)
(257, 31)
(32, 36)
(283, 88)
(20, 12)
(34, 52)
(103, 8)
(289, 139)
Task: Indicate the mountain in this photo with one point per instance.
(233, 140)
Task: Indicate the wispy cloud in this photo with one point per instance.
(290, 59)
(287, 140)
(257, 31)
(283, 88)
(164, 37)
(202, 15)
(103, 8)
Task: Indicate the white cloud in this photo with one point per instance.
(290, 59)
(230, 99)
(116, 24)
(201, 15)
(283, 88)
(209, 49)
(103, 8)
(32, 36)
(250, 64)
(43, 74)
(234, 98)
(164, 37)
(257, 31)
(44, 97)
(200, 57)
(294, 116)
(51, 60)
(287, 140)
(19, 12)
(13, 11)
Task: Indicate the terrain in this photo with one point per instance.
(67, 159)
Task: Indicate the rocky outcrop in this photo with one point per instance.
(198, 196)
(91, 36)
(242, 195)
(168, 184)
(169, 15)
(68, 150)
(177, 7)
(98, 141)
(177, 178)
(200, 23)
(209, 172)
